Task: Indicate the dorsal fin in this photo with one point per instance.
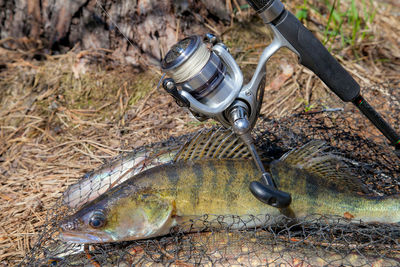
(213, 143)
(330, 169)
(304, 153)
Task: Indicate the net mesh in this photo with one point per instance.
(315, 240)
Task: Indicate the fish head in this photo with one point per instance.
(111, 219)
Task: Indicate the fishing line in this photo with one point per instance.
(186, 71)
(160, 81)
(115, 24)
(192, 65)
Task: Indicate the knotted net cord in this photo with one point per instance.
(316, 240)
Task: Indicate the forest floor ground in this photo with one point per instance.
(67, 114)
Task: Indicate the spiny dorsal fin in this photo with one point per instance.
(303, 153)
(331, 170)
(213, 143)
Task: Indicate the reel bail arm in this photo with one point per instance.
(170, 86)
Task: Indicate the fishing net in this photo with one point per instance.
(315, 240)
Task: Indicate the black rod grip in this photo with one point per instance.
(316, 57)
(260, 5)
(378, 121)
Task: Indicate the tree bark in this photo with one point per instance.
(138, 32)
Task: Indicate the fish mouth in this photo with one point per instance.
(84, 238)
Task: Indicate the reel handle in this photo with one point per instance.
(270, 195)
(266, 191)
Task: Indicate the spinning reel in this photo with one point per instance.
(204, 77)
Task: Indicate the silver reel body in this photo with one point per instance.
(209, 79)
(212, 82)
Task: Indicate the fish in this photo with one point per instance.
(95, 183)
(157, 200)
(255, 248)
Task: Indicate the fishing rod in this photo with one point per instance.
(210, 84)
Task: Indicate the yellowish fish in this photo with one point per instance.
(153, 202)
(207, 143)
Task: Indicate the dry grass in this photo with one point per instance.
(65, 115)
(55, 126)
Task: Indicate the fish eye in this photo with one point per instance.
(53, 261)
(97, 220)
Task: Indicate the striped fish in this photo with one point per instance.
(209, 143)
(154, 201)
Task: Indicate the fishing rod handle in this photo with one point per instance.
(317, 58)
(378, 121)
(260, 5)
(311, 51)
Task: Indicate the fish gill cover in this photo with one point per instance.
(314, 241)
